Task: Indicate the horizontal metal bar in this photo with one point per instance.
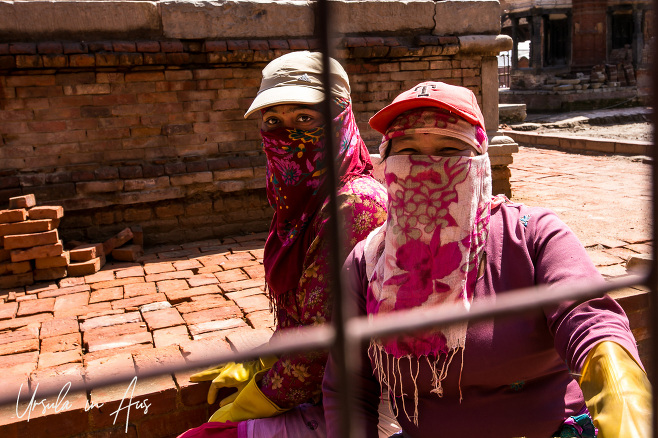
(505, 304)
(323, 336)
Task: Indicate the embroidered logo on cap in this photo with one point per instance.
(423, 90)
(304, 78)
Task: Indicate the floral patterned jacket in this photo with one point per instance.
(297, 378)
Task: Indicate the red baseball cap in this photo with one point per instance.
(458, 100)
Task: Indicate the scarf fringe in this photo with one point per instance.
(388, 371)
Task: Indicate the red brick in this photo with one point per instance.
(239, 285)
(25, 227)
(15, 323)
(172, 46)
(18, 280)
(138, 234)
(255, 271)
(261, 319)
(130, 303)
(8, 310)
(231, 276)
(144, 76)
(133, 290)
(46, 212)
(47, 360)
(119, 364)
(248, 338)
(117, 282)
(25, 201)
(52, 262)
(148, 46)
(202, 280)
(182, 265)
(65, 302)
(178, 295)
(133, 271)
(202, 302)
(101, 276)
(71, 341)
(158, 268)
(252, 303)
(15, 268)
(152, 359)
(54, 424)
(125, 340)
(218, 313)
(106, 321)
(215, 326)
(162, 318)
(42, 305)
(100, 333)
(168, 276)
(19, 255)
(171, 336)
(49, 273)
(16, 360)
(7, 216)
(204, 349)
(55, 378)
(86, 252)
(58, 327)
(110, 294)
(64, 290)
(23, 346)
(122, 237)
(81, 269)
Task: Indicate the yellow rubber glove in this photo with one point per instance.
(251, 403)
(617, 392)
(231, 375)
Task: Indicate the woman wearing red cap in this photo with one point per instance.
(296, 258)
(564, 370)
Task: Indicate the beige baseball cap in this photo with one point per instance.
(296, 77)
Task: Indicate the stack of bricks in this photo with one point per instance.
(30, 248)
(86, 259)
(126, 246)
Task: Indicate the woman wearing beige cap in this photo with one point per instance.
(296, 252)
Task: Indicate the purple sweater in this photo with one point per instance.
(515, 379)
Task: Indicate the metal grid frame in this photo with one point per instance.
(346, 333)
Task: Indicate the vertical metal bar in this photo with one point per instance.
(653, 276)
(340, 350)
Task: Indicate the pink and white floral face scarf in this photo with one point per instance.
(428, 252)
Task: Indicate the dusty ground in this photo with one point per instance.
(632, 123)
(628, 131)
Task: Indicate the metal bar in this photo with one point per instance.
(340, 348)
(362, 328)
(506, 304)
(653, 278)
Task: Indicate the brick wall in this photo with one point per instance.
(152, 132)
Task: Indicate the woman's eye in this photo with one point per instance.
(304, 118)
(271, 121)
(408, 151)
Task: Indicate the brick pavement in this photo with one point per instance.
(178, 304)
(181, 302)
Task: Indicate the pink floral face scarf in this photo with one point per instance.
(296, 174)
(428, 252)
